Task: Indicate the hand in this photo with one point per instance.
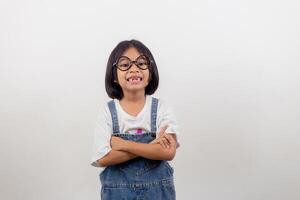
(160, 133)
(117, 143)
(164, 139)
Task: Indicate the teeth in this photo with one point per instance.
(135, 78)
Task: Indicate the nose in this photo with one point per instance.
(134, 68)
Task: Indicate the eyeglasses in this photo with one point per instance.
(124, 63)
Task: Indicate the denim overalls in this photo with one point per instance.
(139, 178)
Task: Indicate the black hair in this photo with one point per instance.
(113, 89)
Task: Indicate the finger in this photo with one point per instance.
(159, 143)
(166, 142)
(169, 138)
(162, 144)
(163, 129)
(162, 135)
(172, 140)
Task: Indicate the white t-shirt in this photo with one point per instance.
(130, 124)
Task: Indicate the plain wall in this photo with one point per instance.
(230, 69)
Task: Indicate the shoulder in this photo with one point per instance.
(164, 105)
(104, 111)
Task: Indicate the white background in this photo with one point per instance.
(229, 68)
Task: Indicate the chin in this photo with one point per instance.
(137, 87)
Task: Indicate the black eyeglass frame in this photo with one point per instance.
(133, 62)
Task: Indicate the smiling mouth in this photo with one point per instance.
(134, 80)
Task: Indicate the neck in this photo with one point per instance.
(134, 97)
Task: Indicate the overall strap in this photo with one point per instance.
(114, 116)
(154, 114)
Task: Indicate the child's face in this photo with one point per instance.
(134, 79)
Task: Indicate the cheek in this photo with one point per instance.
(120, 76)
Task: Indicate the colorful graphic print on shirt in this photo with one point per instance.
(138, 131)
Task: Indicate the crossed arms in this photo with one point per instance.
(162, 148)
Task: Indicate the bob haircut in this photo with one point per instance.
(113, 89)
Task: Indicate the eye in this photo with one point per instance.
(124, 65)
(141, 63)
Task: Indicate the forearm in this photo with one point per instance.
(150, 151)
(115, 157)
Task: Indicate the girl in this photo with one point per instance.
(126, 143)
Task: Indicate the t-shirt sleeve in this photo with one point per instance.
(102, 135)
(166, 116)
